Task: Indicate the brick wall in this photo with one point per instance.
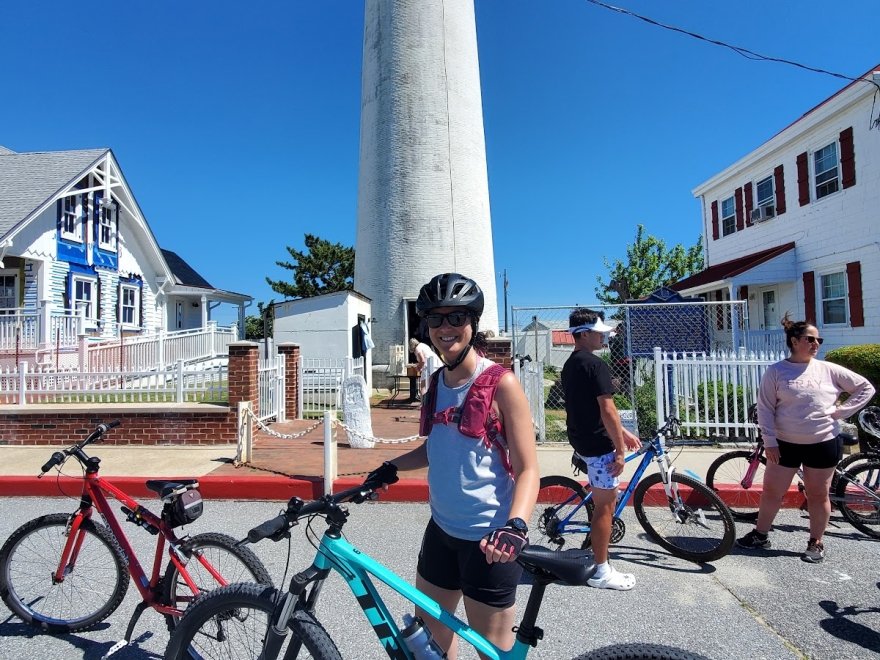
(499, 351)
(152, 423)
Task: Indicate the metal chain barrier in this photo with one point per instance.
(380, 441)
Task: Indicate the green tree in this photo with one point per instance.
(649, 265)
(323, 267)
(260, 326)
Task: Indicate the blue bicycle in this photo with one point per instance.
(246, 621)
(677, 511)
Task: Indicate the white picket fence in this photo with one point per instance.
(271, 384)
(25, 384)
(709, 393)
(320, 383)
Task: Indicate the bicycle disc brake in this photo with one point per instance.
(618, 530)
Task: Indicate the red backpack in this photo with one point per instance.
(475, 417)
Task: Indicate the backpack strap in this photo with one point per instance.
(429, 402)
(479, 420)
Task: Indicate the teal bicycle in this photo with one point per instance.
(246, 621)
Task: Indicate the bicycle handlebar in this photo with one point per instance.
(76, 449)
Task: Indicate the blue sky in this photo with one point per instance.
(236, 124)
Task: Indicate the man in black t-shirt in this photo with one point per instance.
(596, 434)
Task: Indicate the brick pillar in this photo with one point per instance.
(290, 351)
(500, 351)
(244, 357)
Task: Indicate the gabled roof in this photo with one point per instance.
(27, 180)
(561, 338)
(184, 274)
(728, 269)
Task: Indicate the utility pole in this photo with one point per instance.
(505, 301)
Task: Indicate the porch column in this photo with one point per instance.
(45, 337)
(204, 303)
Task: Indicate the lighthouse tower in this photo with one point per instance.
(423, 191)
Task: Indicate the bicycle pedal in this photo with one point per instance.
(121, 644)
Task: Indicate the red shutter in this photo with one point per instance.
(847, 158)
(750, 204)
(715, 220)
(779, 185)
(810, 297)
(744, 292)
(803, 179)
(854, 286)
(740, 224)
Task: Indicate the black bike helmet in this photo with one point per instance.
(450, 290)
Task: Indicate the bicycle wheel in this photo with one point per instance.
(231, 622)
(94, 584)
(858, 497)
(847, 463)
(727, 473)
(696, 525)
(558, 498)
(234, 562)
(640, 651)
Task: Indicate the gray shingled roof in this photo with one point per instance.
(185, 274)
(27, 180)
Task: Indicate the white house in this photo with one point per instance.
(78, 258)
(333, 326)
(794, 226)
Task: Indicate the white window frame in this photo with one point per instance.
(732, 216)
(816, 174)
(76, 304)
(72, 209)
(8, 272)
(135, 306)
(766, 201)
(107, 220)
(821, 299)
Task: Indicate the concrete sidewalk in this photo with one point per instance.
(280, 468)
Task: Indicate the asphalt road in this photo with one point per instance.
(771, 605)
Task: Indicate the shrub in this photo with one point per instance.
(864, 359)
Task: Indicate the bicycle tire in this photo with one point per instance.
(236, 563)
(847, 463)
(244, 608)
(91, 590)
(640, 651)
(858, 497)
(731, 468)
(558, 496)
(703, 514)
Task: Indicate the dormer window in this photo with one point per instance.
(71, 220)
(107, 227)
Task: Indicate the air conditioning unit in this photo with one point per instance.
(763, 213)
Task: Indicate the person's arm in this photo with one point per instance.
(412, 460)
(611, 421)
(519, 432)
(859, 389)
(767, 409)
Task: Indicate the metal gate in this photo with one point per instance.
(271, 388)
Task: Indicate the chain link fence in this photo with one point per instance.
(541, 344)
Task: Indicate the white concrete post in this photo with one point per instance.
(179, 396)
(659, 386)
(45, 336)
(329, 454)
(22, 383)
(160, 351)
(212, 333)
(245, 432)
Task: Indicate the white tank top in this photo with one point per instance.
(470, 490)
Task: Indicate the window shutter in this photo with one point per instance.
(119, 303)
(141, 302)
(58, 216)
(803, 179)
(715, 220)
(847, 158)
(779, 186)
(854, 287)
(98, 316)
(744, 292)
(750, 202)
(740, 223)
(67, 296)
(810, 297)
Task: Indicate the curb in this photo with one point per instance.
(278, 488)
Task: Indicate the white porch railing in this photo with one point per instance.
(320, 383)
(766, 341)
(709, 393)
(23, 385)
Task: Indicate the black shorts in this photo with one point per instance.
(819, 455)
(458, 565)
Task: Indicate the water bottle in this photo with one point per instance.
(418, 639)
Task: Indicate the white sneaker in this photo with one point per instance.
(614, 579)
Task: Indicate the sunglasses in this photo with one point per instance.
(455, 319)
(812, 340)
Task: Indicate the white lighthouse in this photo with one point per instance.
(423, 191)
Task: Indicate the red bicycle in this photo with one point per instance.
(67, 572)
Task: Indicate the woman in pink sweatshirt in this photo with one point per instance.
(798, 413)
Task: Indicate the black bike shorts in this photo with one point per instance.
(458, 565)
(818, 455)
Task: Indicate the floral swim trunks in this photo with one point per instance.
(597, 470)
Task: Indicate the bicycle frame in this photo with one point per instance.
(93, 496)
(652, 451)
(356, 568)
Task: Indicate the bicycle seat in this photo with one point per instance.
(570, 567)
(166, 488)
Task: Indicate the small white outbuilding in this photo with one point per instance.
(333, 325)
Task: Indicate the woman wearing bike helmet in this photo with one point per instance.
(480, 493)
